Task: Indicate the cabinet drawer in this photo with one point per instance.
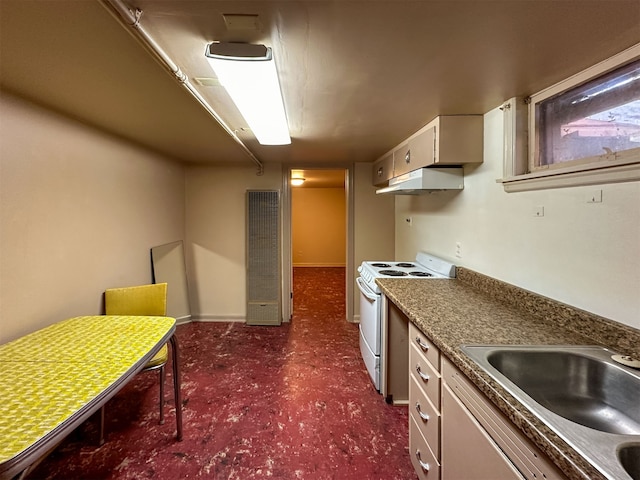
(422, 459)
(425, 415)
(425, 375)
(424, 345)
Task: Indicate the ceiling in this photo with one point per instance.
(357, 76)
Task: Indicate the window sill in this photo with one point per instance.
(556, 179)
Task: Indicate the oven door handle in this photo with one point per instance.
(365, 290)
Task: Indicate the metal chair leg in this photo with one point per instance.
(101, 439)
(162, 375)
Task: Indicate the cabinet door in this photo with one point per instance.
(467, 450)
(382, 170)
(459, 140)
(403, 160)
(423, 148)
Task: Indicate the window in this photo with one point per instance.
(584, 130)
(594, 122)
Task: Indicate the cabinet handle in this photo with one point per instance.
(423, 416)
(407, 157)
(423, 346)
(423, 376)
(423, 465)
(380, 172)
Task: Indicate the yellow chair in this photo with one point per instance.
(147, 300)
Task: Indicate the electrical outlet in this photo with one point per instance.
(458, 250)
(538, 211)
(594, 196)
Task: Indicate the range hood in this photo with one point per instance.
(425, 180)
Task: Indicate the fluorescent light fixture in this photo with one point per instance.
(248, 73)
(297, 181)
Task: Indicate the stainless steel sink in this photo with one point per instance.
(590, 401)
(629, 456)
(580, 388)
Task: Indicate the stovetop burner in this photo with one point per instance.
(420, 274)
(393, 273)
(425, 266)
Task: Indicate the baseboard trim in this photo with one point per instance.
(320, 265)
(183, 319)
(218, 318)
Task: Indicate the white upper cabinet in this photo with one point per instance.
(383, 170)
(446, 140)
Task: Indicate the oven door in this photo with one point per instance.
(369, 316)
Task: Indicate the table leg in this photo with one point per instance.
(176, 386)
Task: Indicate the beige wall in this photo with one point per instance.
(318, 227)
(582, 254)
(215, 232)
(215, 236)
(374, 234)
(79, 211)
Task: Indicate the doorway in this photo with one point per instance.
(318, 231)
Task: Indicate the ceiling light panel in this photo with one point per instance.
(248, 74)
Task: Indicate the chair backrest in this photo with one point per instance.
(149, 300)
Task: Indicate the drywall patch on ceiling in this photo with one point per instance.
(247, 22)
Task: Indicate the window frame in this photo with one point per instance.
(621, 167)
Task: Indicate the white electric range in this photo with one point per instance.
(425, 267)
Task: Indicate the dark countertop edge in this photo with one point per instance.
(570, 462)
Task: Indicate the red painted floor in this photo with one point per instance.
(288, 402)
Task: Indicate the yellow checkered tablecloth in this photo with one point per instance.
(50, 375)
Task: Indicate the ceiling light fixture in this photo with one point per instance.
(248, 73)
(297, 181)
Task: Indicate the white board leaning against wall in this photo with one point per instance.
(168, 266)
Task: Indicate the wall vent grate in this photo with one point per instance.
(263, 258)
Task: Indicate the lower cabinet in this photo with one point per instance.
(424, 461)
(467, 450)
(456, 433)
(424, 405)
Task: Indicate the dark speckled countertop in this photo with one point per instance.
(475, 309)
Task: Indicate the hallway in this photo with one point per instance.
(259, 402)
